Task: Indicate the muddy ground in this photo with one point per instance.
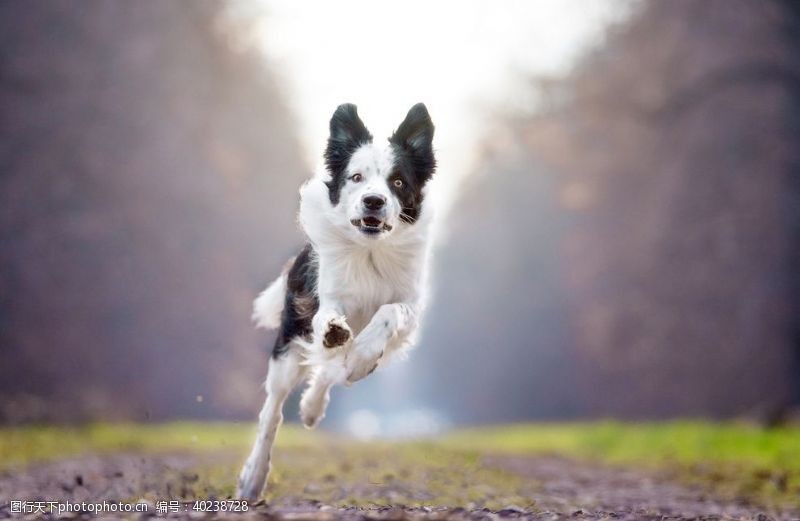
(340, 484)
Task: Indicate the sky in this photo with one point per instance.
(459, 58)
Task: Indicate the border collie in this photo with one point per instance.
(354, 295)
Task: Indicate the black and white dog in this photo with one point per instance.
(354, 295)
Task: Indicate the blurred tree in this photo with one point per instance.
(148, 173)
(791, 82)
(676, 146)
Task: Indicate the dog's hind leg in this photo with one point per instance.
(284, 373)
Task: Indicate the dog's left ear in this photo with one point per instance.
(415, 137)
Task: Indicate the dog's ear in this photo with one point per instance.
(415, 137)
(347, 134)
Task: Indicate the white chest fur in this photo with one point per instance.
(360, 274)
(363, 279)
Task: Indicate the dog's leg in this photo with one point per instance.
(392, 324)
(330, 331)
(317, 395)
(283, 374)
(331, 328)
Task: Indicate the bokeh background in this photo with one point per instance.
(619, 186)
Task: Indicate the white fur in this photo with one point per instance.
(284, 374)
(267, 307)
(375, 286)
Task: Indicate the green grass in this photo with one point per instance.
(413, 474)
(732, 460)
(728, 459)
(307, 465)
(23, 445)
(684, 442)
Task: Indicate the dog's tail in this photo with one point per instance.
(268, 306)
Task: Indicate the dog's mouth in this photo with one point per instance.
(370, 225)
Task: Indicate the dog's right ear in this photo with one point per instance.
(347, 126)
(347, 134)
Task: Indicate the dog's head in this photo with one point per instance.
(377, 189)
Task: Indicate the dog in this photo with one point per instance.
(353, 297)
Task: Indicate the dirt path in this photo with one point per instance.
(568, 486)
(552, 489)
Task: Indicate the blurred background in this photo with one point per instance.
(619, 184)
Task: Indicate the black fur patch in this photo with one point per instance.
(336, 336)
(414, 160)
(347, 134)
(301, 302)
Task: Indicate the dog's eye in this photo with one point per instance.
(356, 178)
(398, 183)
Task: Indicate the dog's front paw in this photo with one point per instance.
(361, 363)
(337, 333)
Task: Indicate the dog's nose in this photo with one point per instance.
(373, 201)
